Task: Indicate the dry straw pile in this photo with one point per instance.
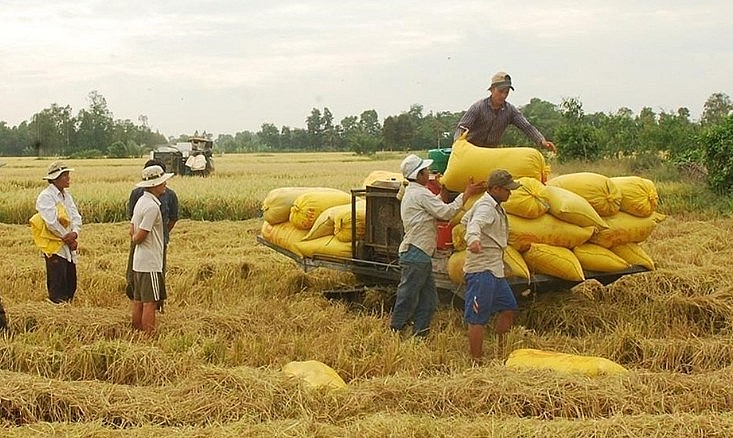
(238, 312)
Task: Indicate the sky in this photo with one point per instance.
(228, 66)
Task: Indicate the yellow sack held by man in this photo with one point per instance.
(342, 222)
(276, 205)
(315, 374)
(572, 208)
(308, 206)
(638, 195)
(598, 190)
(527, 201)
(591, 366)
(468, 161)
(327, 245)
(44, 239)
(555, 261)
(624, 228)
(546, 229)
(284, 235)
(634, 254)
(594, 257)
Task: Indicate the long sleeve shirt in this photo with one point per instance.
(420, 210)
(486, 126)
(46, 204)
(486, 222)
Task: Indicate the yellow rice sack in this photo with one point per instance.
(342, 222)
(514, 265)
(469, 161)
(591, 366)
(555, 261)
(571, 207)
(546, 229)
(597, 189)
(308, 206)
(624, 228)
(455, 266)
(638, 195)
(634, 255)
(381, 175)
(284, 235)
(458, 233)
(315, 374)
(276, 205)
(327, 245)
(594, 257)
(527, 201)
(323, 226)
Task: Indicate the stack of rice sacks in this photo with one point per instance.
(562, 226)
(315, 220)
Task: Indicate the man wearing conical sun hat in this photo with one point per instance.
(146, 233)
(61, 221)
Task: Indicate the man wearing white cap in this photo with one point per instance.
(146, 233)
(487, 119)
(420, 209)
(61, 218)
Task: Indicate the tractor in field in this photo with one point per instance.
(193, 157)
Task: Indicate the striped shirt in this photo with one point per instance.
(486, 126)
(486, 222)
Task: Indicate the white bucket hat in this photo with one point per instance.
(153, 176)
(412, 164)
(55, 170)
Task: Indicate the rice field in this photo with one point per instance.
(238, 312)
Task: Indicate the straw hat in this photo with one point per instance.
(153, 176)
(55, 170)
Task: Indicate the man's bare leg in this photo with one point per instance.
(475, 341)
(137, 315)
(504, 321)
(148, 316)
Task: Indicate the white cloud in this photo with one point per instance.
(274, 61)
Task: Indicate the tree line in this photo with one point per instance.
(93, 132)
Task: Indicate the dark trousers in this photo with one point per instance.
(417, 298)
(60, 279)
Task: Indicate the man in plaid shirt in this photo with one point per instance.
(487, 119)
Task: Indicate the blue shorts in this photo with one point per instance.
(485, 296)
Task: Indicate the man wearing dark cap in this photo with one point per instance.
(487, 291)
(487, 119)
(61, 219)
